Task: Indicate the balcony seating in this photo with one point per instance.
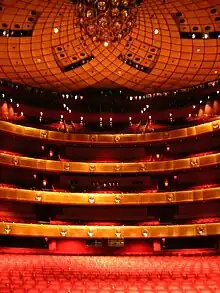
(73, 274)
(202, 154)
(204, 220)
(17, 220)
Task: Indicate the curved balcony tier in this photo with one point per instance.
(143, 198)
(55, 136)
(98, 168)
(118, 232)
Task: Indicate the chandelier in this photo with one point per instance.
(107, 21)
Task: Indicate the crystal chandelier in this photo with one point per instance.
(107, 21)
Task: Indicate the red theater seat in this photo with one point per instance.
(59, 274)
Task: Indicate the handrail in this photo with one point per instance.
(141, 198)
(133, 167)
(55, 136)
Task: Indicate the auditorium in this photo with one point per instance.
(110, 146)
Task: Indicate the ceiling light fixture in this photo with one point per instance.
(56, 30)
(106, 21)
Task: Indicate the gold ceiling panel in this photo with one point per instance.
(82, 167)
(144, 198)
(176, 63)
(55, 136)
(61, 231)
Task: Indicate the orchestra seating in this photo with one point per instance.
(106, 274)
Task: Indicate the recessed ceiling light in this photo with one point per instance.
(56, 30)
(198, 50)
(105, 44)
(216, 72)
(156, 31)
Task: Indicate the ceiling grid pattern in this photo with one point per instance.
(173, 61)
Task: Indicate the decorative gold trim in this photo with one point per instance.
(15, 161)
(110, 138)
(166, 134)
(145, 198)
(117, 199)
(90, 233)
(67, 166)
(200, 230)
(170, 197)
(63, 232)
(7, 229)
(133, 167)
(170, 231)
(142, 167)
(43, 134)
(38, 197)
(93, 138)
(92, 167)
(117, 138)
(118, 233)
(145, 233)
(215, 125)
(117, 167)
(91, 199)
(194, 162)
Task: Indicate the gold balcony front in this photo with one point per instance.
(134, 167)
(61, 231)
(141, 138)
(89, 199)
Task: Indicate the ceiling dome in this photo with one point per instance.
(175, 44)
